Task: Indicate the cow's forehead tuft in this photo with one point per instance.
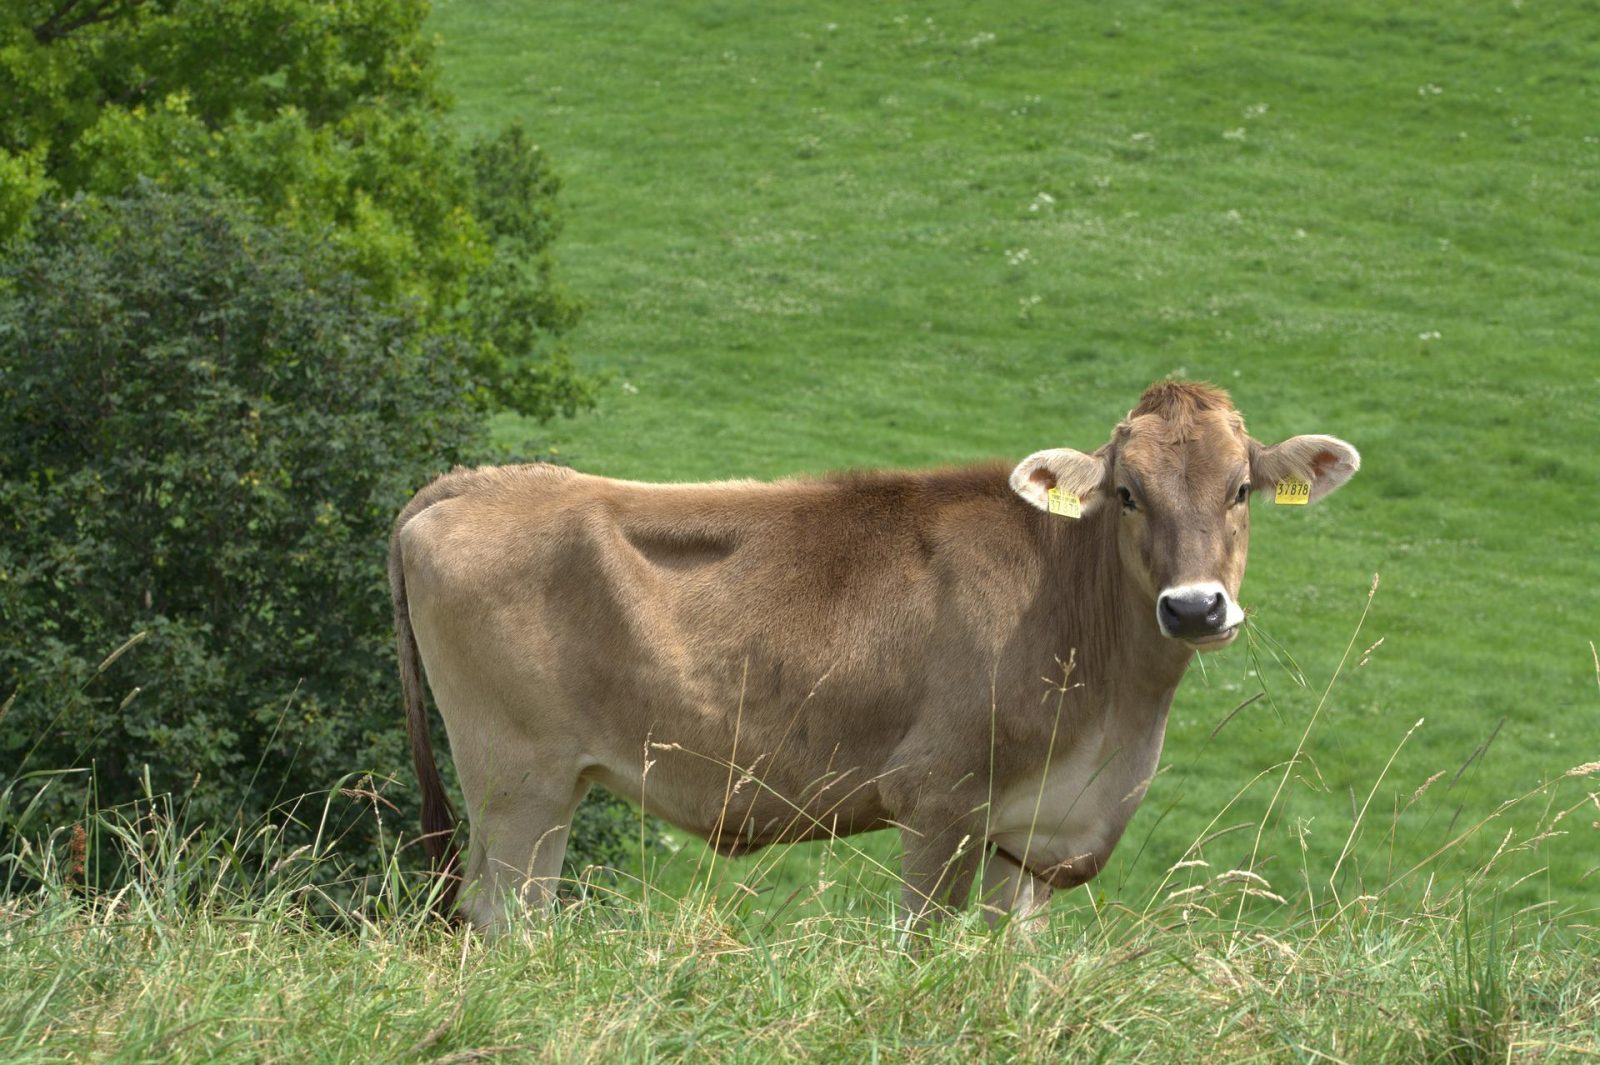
(1181, 400)
(1177, 412)
(1217, 428)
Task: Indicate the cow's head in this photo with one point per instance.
(1176, 478)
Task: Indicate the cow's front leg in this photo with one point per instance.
(941, 858)
(1010, 891)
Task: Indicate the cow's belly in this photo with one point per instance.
(1063, 821)
(744, 810)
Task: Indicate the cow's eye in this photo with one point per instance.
(1127, 499)
(1244, 493)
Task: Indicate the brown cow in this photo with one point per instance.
(759, 663)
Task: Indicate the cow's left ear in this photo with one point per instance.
(1325, 461)
(1072, 471)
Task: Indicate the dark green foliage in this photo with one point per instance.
(208, 428)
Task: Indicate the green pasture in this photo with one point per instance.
(820, 235)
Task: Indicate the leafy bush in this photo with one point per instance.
(208, 428)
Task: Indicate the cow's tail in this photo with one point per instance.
(438, 816)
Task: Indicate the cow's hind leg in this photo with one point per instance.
(517, 843)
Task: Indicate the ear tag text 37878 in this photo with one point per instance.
(1062, 502)
(1292, 491)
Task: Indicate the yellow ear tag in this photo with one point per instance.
(1292, 491)
(1067, 504)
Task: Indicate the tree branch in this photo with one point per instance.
(63, 22)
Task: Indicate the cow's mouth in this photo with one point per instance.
(1213, 642)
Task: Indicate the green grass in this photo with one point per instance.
(232, 948)
(817, 235)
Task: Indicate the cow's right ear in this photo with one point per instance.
(1061, 467)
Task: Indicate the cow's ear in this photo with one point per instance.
(1072, 471)
(1325, 461)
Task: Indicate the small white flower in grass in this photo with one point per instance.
(981, 39)
(1233, 134)
(1429, 90)
(630, 388)
(1255, 110)
(1234, 216)
(1431, 334)
(1029, 103)
(1018, 256)
(1140, 138)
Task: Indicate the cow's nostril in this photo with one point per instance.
(1171, 614)
(1216, 610)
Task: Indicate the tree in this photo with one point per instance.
(325, 118)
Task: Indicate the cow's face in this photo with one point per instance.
(1176, 479)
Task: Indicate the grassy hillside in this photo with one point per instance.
(817, 235)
